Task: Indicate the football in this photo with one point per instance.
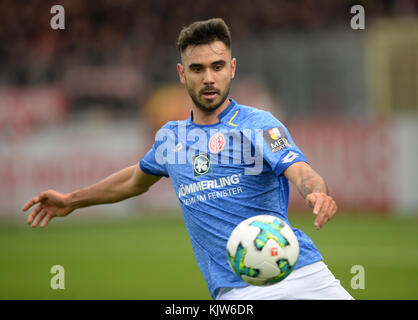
(262, 250)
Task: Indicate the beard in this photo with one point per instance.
(208, 107)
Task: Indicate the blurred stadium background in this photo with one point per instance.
(80, 103)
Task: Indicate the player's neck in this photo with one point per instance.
(203, 118)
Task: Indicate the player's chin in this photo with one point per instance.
(210, 104)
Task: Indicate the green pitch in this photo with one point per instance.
(153, 259)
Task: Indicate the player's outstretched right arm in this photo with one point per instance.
(119, 186)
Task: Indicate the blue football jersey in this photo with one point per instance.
(223, 174)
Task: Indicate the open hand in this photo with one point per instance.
(51, 204)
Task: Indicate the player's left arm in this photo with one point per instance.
(314, 190)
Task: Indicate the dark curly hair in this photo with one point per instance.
(204, 32)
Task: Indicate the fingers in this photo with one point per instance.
(30, 203)
(318, 205)
(39, 217)
(33, 214)
(47, 218)
(42, 196)
(42, 214)
(324, 207)
(323, 215)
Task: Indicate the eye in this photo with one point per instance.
(196, 69)
(218, 67)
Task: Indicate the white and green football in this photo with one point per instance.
(262, 250)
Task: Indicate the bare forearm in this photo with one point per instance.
(121, 185)
(116, 187)
(311, 182)
(306, 179)
(314, 190)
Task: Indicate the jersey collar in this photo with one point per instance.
(221, 116)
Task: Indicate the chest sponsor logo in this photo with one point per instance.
(201, 165)
(276, 139)
(222, 187)
(217, 143)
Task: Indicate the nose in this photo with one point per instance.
(208, 78)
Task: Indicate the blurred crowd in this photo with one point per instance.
(128, 42)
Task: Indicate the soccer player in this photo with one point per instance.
(227, 162)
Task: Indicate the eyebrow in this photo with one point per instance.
(217, 62)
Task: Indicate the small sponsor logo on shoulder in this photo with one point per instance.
(276, 139)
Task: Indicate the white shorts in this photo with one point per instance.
(311, 282)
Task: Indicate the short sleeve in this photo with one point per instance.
(154, 161)
(279, 149)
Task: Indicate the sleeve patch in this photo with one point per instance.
(276, 139)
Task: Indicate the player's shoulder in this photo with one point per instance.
(169, 130)
(256, 117)
(172, 125)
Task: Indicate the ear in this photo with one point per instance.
(233, 67)
(180, 70)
